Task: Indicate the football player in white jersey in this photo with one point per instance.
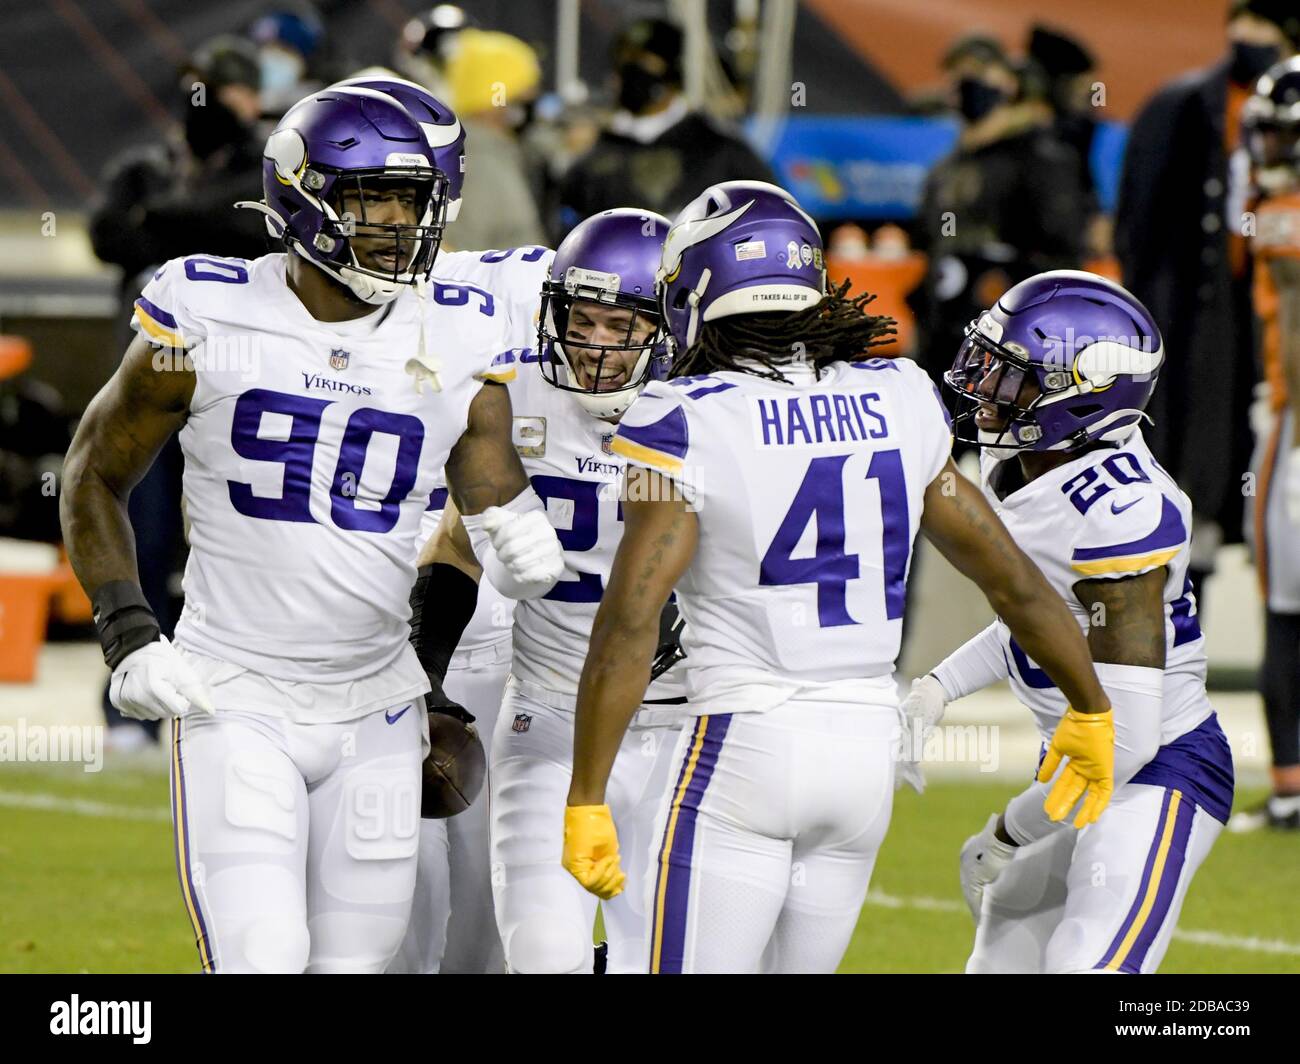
(295, 382)
(775, 423)
(453, 925)
(598, 344)
(1054, 379)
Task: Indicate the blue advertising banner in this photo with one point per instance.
(844, 167)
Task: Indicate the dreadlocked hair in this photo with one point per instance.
(835, 329)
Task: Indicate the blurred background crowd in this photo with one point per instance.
(948, 150)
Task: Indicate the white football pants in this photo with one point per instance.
(1106, 898)
(766, 839)
(545, 918)
(296, 843)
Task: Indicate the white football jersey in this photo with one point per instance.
(514, 277)
(569, 458)
(1107, 514)
(809, 497)
(309, 459)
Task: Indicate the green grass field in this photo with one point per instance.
(89, 884)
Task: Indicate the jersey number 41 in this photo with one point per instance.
(821, 498)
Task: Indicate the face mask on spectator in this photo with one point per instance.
(281, 70)
(977, 98)
(1249, 61)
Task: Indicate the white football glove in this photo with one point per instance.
(925, 703)
(155, 682)
(907, 769)
(1291, 487)
(918, 713)
(526, 557)
(982, 859)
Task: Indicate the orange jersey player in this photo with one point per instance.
(1271, 126)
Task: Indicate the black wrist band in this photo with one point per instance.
(442, 602)
(124, 620)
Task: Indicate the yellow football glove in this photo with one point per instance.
(591, 849)
(1088, 740)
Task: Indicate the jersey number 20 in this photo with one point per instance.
(821, 497)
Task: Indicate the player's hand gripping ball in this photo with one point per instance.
(455, 768)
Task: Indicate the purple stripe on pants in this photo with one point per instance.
(1142, 885)
(1169, 877)
(678, 892)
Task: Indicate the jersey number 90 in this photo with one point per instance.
(297, 451)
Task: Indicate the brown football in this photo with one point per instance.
(454, 769)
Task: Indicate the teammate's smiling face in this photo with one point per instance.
(603, 367)
(381, 203)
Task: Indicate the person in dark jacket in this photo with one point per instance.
(1068, 70)
(1180, 241)
(176, 197)
(656, 151)
(1009, 202)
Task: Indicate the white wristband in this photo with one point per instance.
(973, 665)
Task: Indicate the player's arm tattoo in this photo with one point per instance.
(450, 545)
(1127, 619)
(961, 524)
(123, 430)
(1286, 279)
(483, 468)
(659, 541)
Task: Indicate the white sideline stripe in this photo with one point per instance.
(81, 807)
(1200, 938)
(1254, 945)
(57, 804)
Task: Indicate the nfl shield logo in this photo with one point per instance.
(338, 358)
(606, 443)
(522, 722)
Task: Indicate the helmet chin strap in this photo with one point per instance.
(693, 298)
(366, 288)
(988, 445)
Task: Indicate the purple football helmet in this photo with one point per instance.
(610, 259)
(441, 127)
(740, 247)
(1062, 360)
(337, 140)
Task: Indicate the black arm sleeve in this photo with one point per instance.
(442, 602)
